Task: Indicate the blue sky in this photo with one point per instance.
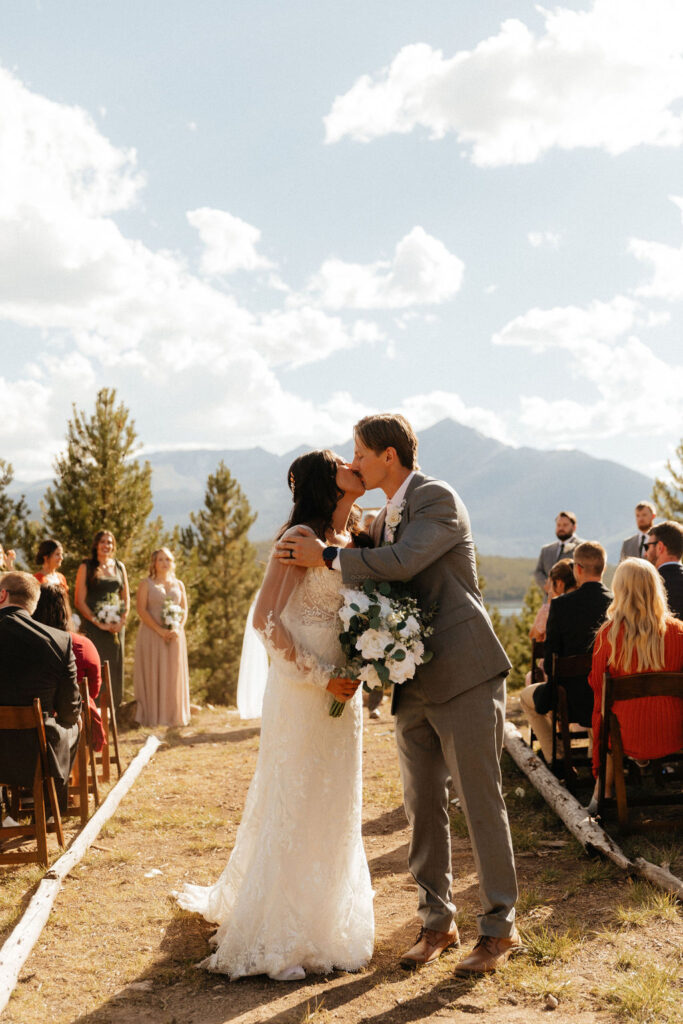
(259, 221)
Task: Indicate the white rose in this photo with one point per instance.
(393, 517)
(411, 628)
(346, 614)
(417, 649)
(358, 597)
(368, 674)
(372, 643)
(400, 671)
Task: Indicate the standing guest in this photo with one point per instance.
(101, 580)
(634, 547)
(49, 557)
(563, 547)
(53, 609)
(161, 677)
(640, 635)
(664, 548)
(37, 661)
(573, 621)
(7, 559)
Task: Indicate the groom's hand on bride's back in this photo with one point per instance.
(300, 549)
(341, 688)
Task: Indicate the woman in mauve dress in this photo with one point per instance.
(161, 677)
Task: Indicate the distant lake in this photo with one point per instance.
(506, 609)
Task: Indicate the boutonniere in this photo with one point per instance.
(393, 518)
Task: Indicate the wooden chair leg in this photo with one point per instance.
(104, 754)
(108, 700)
(54, 806)
(618, 765)
(39, 817)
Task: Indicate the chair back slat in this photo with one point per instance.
(571, 665)
(644, 684)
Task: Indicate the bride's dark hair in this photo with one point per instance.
(312, 479)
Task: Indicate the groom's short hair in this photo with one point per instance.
(389, 430)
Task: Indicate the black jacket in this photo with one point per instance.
(573, 621)
(37, 661)
(672, 574)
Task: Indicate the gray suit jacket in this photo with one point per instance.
(433, 548)
(550, 555)
(631, 548)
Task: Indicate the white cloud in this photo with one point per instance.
(610, 77)
(229, 243)
(619, 380)
(426, 409)
(421, 272)
(544, 239)
(666, 264)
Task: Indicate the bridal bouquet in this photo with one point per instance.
(108, 611)
(383, 637)
(171, 614)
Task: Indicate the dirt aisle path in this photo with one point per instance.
(117, 950)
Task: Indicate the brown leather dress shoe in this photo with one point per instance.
(428, 947)
(489, 953)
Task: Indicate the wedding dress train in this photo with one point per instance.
(296, 891)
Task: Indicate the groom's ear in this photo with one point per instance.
(390, 455)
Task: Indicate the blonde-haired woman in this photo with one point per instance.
(639, 635)
(161, 678)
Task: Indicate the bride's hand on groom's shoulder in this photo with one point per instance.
(342, 688)
(301, 549)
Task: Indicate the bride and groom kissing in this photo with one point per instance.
(296, 896)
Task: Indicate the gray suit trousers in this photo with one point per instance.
(461, 738)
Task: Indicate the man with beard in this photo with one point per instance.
(563, 547)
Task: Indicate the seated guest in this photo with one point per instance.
(640, 635)
(634, 547)
(664, 549)
(53, 609)
(563, 547)
(560, 581)
(7, 559)
(49, 557)
(37, 661)
(573, 621)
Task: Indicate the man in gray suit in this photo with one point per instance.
(563, 547)
(449, 718)
(635, 546)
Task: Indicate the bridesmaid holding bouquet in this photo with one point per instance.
(161, 676)
(103, 602)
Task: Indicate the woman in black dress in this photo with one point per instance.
(102, 599)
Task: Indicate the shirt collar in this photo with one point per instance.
(396, 499)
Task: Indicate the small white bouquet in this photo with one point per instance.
(383, 637)
(171, 614)
(108, 611)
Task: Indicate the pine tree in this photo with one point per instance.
(100, 485)
(519, 649)
(668, 495)
(222, 576)
(16, 530)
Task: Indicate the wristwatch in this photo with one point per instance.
(329, 555)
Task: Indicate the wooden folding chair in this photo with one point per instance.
(111, 733)
(31, 718)
(83, 779)
(622, 688)
(574, 743)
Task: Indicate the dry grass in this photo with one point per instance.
(117, 950)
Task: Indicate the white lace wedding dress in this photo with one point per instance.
(296, 890)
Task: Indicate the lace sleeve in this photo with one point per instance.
(278, 587)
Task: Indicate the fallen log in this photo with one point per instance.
(566, 806)
(18, 946)
(586, 829)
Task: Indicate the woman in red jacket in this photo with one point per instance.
(639, 635)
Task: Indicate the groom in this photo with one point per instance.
(449, 718)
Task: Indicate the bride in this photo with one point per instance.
(296, 894)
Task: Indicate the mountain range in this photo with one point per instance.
(513, 494)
